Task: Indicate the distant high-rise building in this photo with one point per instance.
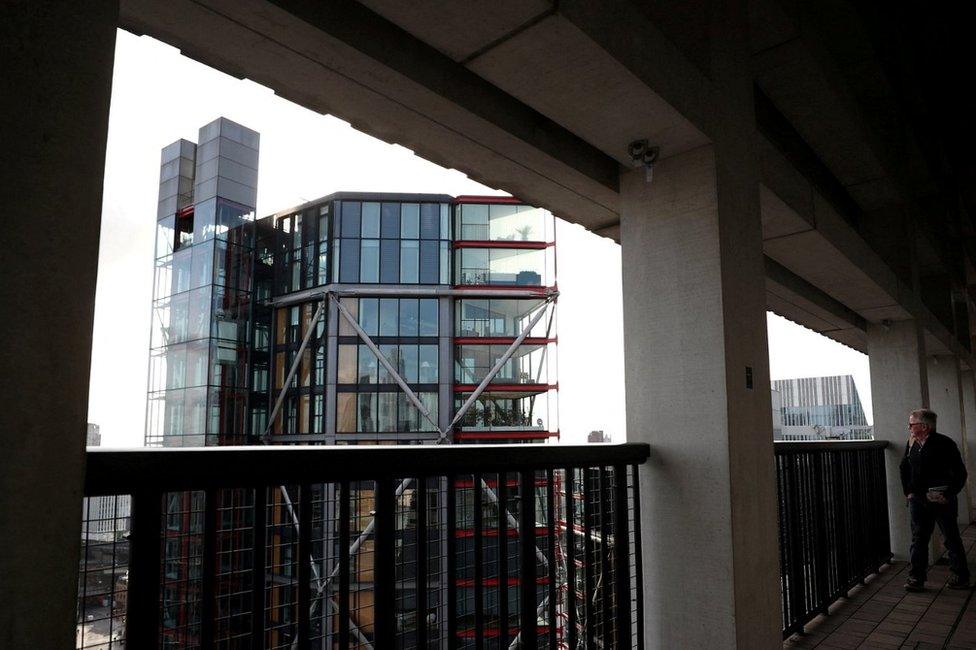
(821, 408)
(597, 436)
(92, 436)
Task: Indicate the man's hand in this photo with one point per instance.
(909, 496)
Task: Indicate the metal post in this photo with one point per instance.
(258, 575)
(420, 499)
(527, 574)
(208, 582)
(384, 569)
(502, 550)
(142, 613)
(569, 488)
(304, 560)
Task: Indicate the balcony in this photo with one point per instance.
(371, 547)
(357, 551)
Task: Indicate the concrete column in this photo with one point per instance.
(899, 383)
(697, 380)
(969, 409)
(945, 398)
(57, 80)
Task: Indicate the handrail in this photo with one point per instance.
(793, 446)
(125, 471)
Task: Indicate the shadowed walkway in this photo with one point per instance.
(881, 614)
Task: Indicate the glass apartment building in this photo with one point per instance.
(357, 318)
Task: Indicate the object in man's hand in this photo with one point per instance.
(937, 494)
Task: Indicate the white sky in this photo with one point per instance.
(159, 96)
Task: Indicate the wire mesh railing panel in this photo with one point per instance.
(536, 557)
(833, 523)
(103, 573)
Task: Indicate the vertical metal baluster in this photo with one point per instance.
(793, 546)
(551, 556)
(142, 608)
(479, 558)
(621, 547)
(502, 545)
(606, 574)
(638, 564)
(527, 578)
(882, 488)
(451, 578)
(303, 558)
(258, 575)
(780, 465)
(420, 498)
(208, 605)
(384, 566)
(569, 489)
(345, 498)
(820, 546)
(588, 578)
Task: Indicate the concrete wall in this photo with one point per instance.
(56, 82)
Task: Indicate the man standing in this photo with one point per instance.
(932, 474)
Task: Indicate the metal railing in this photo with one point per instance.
(368, 547)
(833, 523)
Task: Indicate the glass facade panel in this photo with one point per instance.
(367, 412)
(350, 219)
(428, 317)
(497, 317)
(409, 262)
(368, 366)
(390, 221)
(501, 266)
(409, 221)
(370, 220)
(349, 260)
(389, 318)
(386, 411)
(430, 221)
(409, 317)
(165, 236)
(428, 364)
(389, 261)
(503, 222)
(369, 318)
(369, 260)
(347, 364)
(429, 262)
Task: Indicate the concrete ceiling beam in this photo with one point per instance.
(340, 58)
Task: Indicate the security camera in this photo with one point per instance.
(642, 154)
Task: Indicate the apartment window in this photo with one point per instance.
(391, 243)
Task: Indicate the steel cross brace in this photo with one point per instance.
(442, 434)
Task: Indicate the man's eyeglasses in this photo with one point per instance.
(912, 424)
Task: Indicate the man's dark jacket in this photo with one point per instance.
(938, 463)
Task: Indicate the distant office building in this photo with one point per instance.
(92, 436)
(821, 408)
(104, 519)
(777, 402)
(597, 436)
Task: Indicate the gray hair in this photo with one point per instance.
(926, 416)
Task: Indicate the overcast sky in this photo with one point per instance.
(158, 96)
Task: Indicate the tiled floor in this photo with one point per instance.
(882, 615)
